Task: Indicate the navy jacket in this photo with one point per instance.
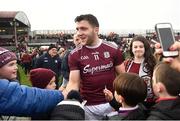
(46, 61)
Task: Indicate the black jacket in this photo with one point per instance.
(53, 63)
(138, 114)
(166, 110)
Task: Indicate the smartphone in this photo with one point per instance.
(165, 35)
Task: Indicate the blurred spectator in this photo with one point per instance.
(64, 65)
(50, 60)
(26, 61)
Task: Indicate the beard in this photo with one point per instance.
(90, 39)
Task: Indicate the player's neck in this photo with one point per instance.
(96, 42)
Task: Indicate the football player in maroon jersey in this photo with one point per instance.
(93, 65)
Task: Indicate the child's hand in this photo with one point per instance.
(108, 94)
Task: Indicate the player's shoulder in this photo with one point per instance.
(78, 48)
(110, 44)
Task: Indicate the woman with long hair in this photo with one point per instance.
(142, 62)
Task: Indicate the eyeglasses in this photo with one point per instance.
(1, 52)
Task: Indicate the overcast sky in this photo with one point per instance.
(112, 14)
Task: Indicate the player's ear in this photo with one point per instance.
(96, 29)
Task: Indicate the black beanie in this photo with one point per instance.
(52, 46)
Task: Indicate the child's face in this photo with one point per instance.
(9, 71)
(52, 84)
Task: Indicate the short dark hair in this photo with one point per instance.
(52, 46)
(131, 87)
(170, 77)
(88, 17)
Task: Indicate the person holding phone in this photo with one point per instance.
(170, 48)
(174, 61)
(165, 35)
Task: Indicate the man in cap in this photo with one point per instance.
(50, 60)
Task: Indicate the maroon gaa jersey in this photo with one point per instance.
(97, 69)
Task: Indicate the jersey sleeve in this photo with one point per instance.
(118, 57)
(73, 61)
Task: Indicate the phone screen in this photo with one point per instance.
(166, 38)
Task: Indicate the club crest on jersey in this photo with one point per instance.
(106, 54)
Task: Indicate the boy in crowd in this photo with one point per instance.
(19, 100)
(44, 79)
(130, 91)
(166, 83)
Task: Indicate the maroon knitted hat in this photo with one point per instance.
(6, 56)
(40, 77)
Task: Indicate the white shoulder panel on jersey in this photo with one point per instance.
(76, 49)
(110, 44)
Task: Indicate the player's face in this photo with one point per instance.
(138, 49)
(86, 32)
